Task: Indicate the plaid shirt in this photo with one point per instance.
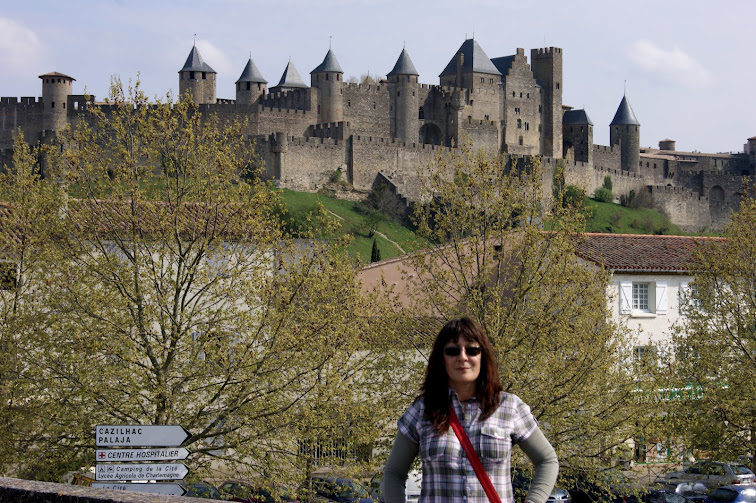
(447, 474)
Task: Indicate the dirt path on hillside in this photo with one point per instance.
(398, 247)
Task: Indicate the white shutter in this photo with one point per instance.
(661, 297)
(626, 297)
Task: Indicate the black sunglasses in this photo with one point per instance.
(469, 350)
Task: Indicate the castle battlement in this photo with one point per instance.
(604, 148)
(364, 87)
(678, 191)
(25, 100)
(313, 142)
(546, 51)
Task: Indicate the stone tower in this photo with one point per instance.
(251, 85)
(290, 79)
(403, 89)
(577, 130)
(56, 88)
(546, 64)
(327, 78)
(624, 131)
(197, 79)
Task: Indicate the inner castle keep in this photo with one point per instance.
(380, 132)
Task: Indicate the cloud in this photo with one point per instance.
(216, 58)
(673, 65)
(19, 45)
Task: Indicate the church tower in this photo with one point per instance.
(403, 89)
(197, 79)
(328, 79)
(624, 131)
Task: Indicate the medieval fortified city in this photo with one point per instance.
(381, 132)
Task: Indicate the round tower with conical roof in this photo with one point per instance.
(251, 85)
(624, 131)
(328, 79)
(197, 79)
(56, 88)
(403, 89)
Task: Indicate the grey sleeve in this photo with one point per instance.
(545, 464)
(397, 467)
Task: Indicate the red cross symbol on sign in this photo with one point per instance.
(102, 455)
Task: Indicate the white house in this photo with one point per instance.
(651, 280)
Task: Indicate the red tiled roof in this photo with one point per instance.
(641, 253)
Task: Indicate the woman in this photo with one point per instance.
(462, 371)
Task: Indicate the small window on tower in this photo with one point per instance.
(247, 86)
(52, 104)
(374, 105)
(191, 75)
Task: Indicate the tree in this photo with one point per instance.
(715, 347)
(169, 294)
(375, 253)
(505, 256)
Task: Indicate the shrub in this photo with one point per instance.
(607, 182)
(603, 195)
(640, 199)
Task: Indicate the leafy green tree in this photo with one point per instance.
(168, 293)
(716, 345)
(506, 258)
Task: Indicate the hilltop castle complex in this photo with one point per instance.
(380, 132)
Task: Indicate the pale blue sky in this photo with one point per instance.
(688, 68)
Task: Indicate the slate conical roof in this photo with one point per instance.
(576, 117)
(291, 78)
(404, 65)
(251, 74)
(624, 115)
(329, 64)
(194, 63)
(475, 60)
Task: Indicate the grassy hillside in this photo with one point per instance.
(616, 219)
(356, 220)
(394, 239)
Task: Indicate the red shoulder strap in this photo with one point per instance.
(480, 472)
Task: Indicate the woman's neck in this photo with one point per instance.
(464, 391)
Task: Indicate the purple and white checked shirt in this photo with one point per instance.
(447, 474)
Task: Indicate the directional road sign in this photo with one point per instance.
(172, 489)
(140, 436)
(157, 454)
(140, 471)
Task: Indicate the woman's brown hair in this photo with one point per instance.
(435, 389)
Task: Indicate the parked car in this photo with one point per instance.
(411, 488)
(732, 494)
(203, 490)
(711, 474)
(521, 484)
(340, 489)
(611, 486)
(670, 496)
(693, 492)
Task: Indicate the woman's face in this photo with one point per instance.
(462, 368)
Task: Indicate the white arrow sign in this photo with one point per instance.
(172, 489)
(160, 454)
(141, 471)
(138, 435)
